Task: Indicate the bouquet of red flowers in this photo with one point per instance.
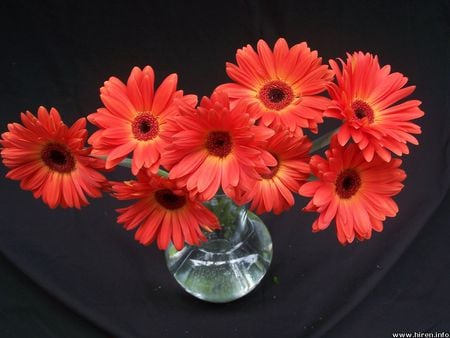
(249, 140)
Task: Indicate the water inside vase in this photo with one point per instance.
(233, 260)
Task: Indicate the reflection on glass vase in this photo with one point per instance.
(233, 260)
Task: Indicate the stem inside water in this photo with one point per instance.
(231, 263)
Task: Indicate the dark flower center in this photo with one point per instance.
(145, 126)
(218, 143)
(361, 109)
(348, 183)
(58, 158)
(169, 200)
(273, 170)
(276, 95)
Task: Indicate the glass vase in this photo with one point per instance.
(233, 260)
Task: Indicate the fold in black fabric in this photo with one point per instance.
(59, 53)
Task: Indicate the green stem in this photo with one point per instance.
(318, 144)
(126, 163)
(323, 141)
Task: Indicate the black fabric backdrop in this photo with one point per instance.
(79, 274)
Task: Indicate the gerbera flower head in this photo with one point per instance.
(49, 159)
(134, 118)
(215, 146)
(354, 192)
(163, 212)
(366, 98)
(280, 87)
(273, 190)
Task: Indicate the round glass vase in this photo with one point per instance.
(233, 260)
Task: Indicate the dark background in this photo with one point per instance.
(79, 274)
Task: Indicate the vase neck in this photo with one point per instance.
(233, 221)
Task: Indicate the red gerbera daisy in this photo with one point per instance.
(273, 191)
(355, 192)
(163, 212)
(48, 159)
(134, 118)
(280, 87)
(365, 99)
(215, 146)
